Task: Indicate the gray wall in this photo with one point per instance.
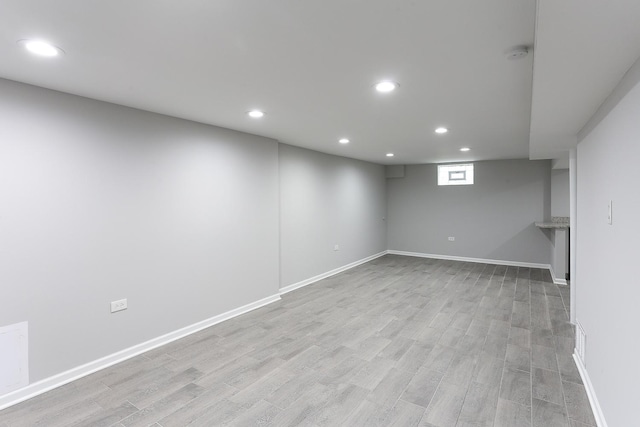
(100, 202)
(559, 207)
(560, 192)
(607, 270)
(327, 200)
(492, 219)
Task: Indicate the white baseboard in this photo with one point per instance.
(467, 259)
(556, 280)
(73, 374)
(591, 393)
(78, 372)
(333, 272)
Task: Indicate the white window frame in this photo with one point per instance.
(455, 174)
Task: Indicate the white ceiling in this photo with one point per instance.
(312, 65)
(582, 50)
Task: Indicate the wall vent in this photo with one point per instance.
(14, 358)
(581, 343)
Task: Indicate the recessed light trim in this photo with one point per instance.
(41, 48)
(256, 114)
(386, 86)
(389, 154)
(464, 149)
(344, 140)
(442, 130)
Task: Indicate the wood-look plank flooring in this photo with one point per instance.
(398, 341)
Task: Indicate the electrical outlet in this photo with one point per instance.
(336, 248)
(452, 239)
(119, 305)
(610, 212)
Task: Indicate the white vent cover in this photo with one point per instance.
(14, 359)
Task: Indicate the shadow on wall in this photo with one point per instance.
(516, 242)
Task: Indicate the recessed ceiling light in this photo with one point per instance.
(344, 141)
(465, 149)
(386, 86)
(389, 154)
(442, 130)
(256, 114)
(41, 48)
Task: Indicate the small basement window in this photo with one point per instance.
(460, 174)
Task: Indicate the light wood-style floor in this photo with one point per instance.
(398, 341)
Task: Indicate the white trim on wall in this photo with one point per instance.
(556, 280)
(330, 273)
(467, 259)
(573, 231)
(47, 384)
(591, 393)
(78, 372)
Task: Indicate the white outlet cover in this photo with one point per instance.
(452, 239)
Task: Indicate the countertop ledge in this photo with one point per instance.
(557, 222)
(552, 224)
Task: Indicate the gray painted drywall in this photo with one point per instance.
(492, 219)
(327, 200)
(559, 207)
(560, 192)
(394, 171)
(625, 85)
(607, 291)
(100, 202)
